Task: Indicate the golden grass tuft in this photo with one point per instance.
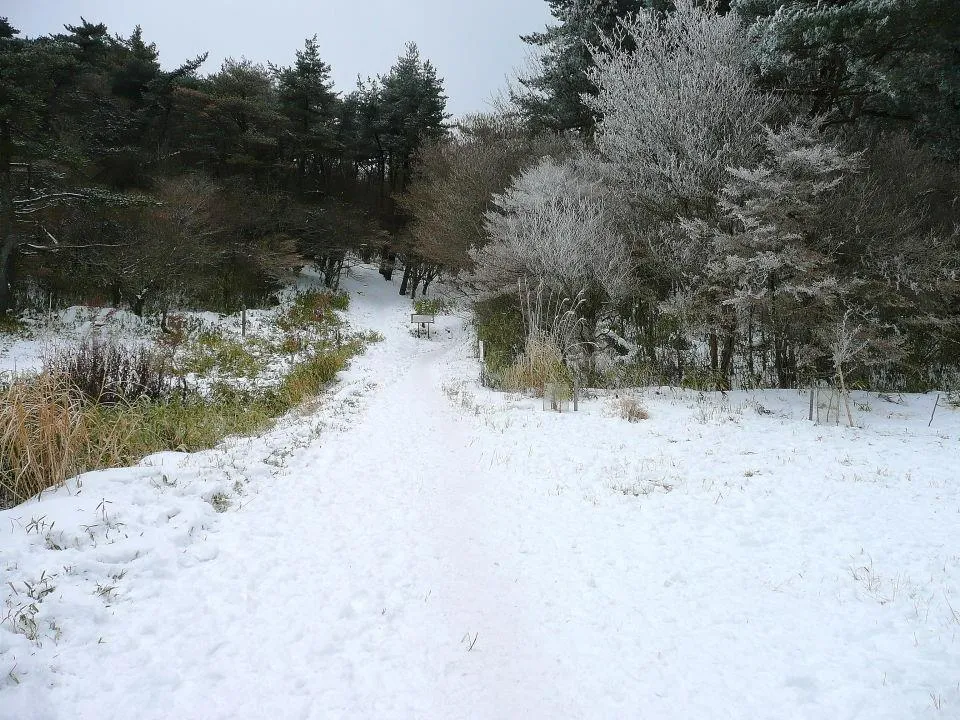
(46, 436)
(539, 364)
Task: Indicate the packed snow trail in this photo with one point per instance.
(422, 548)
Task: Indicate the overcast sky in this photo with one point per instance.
(474, 44)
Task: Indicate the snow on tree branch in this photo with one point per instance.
(551, 224)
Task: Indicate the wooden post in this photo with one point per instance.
(243, 320)
(811, 403)
(483, 367)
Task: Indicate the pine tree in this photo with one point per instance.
(32, 70)
(308, 101)
(553, 99)
(879, 63)
(414, 110)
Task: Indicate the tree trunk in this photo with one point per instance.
(8, 241)
(387, 264)
(726, 357)
(8, 264)
(116, 294)
(137, 302)
(679, 348)
(407, 270)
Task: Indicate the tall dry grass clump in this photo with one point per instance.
(49, 432)
(540, 363)
(41, 428)
(631, 410)
(551, 326)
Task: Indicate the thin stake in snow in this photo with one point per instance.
(934, 410)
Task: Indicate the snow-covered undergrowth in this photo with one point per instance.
(111, 398)
(418, 546)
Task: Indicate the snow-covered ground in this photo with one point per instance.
(419, 547)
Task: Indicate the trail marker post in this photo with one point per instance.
(422, 321)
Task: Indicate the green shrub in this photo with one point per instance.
(340, 301)
(703, 380)
(431, 306)
(499, 325)
(313, 307)
(11, 325)
(307, 378)
(635, 374)
(212, 352)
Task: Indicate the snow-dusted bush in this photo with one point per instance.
(552, 225)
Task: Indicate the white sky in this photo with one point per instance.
(475, 45)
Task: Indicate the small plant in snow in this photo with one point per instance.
(430, 306)
(632, 411)
(220, 502)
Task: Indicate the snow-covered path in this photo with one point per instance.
(421, 548)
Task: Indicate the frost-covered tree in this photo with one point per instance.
(551, 225)
(773, 259)
(678, 105)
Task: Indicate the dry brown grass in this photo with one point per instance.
(540, 363)
(631, 410)
(43, 429)
(49, 433)
(90, 410)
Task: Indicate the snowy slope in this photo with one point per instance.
(419, 547)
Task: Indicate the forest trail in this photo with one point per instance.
(371, 578)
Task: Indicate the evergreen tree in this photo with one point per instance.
(244, 119)
(414, 110)
(553, 99)
(308, 101)
(32, 71)
(877, 63)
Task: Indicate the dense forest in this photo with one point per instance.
(124, 183)
(755, 193)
